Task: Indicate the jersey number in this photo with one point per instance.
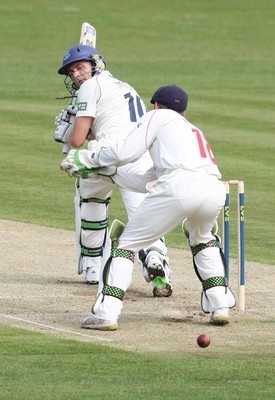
(135, 107)
(204, 147)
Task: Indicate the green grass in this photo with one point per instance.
(222, 54)
(39, 366)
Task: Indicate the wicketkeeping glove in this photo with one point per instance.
(73, 167)
(68, 164)
(78, 163)
(64, 124)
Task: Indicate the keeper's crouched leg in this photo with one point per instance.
(216, 297)
(117, 277)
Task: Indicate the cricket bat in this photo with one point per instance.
(88, 35)
(87, 38)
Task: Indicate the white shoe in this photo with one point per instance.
(92, 275)
(220, 316)
(91, 322)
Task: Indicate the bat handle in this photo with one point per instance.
(66, 148)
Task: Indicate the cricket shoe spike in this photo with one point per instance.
(220, 316)
(91, 322)
(162, 287)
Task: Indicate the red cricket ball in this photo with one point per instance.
(203, 340)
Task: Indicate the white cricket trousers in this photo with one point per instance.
(174, 197)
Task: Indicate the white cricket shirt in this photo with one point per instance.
(114, 104)
(173, 143)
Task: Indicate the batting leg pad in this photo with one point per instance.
(91, 230)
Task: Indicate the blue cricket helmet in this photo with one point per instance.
(82, 53)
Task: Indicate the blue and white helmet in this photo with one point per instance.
(83, 53)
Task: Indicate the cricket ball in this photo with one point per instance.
(203, 340)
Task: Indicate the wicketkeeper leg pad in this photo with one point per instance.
(117, 277)
(208, 260)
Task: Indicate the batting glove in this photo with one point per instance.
(64, 124)
(66, 115)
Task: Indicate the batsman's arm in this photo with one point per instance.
(81, 131)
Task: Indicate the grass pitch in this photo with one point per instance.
(39, 366)
(219, 52)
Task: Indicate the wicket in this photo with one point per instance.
(226, 238)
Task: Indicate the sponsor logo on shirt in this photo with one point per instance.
(82, 106)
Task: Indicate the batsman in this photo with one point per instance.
(106, 110)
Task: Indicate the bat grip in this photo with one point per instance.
(66, 148)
